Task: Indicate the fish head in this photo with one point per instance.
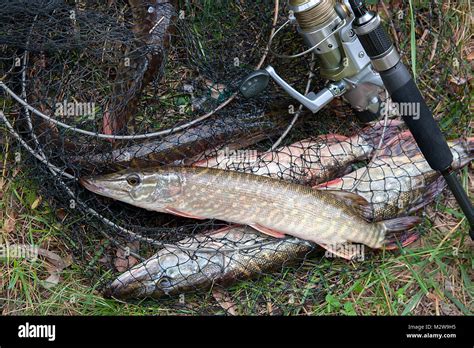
(138, 187)
(171, 271)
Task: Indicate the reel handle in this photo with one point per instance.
(256, 82)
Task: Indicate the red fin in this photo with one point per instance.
(344, 251)
(107, 125)
(432, 191)
(404, 239)
(201, 163)
(268, 231)
(329, 183)
(183, 214)
(333, 138)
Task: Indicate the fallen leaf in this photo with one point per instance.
(470, 56)
(35, 204)
(61, 214)
(123, 260)
(55, 266)
(222, 297)
(458, 80)
(15, 172)
(217, 89)
(9, 223)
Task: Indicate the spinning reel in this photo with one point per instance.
(326, 27)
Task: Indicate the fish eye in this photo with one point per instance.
(164, 282)
(133, 180)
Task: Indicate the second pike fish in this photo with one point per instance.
(271, 206)
(400, 181)
(244, 129)
(220, 257)
(312, 161)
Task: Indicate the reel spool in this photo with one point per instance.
(317, 20)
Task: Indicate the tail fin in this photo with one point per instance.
(392, 239)
(463, 151)
(470, 145)
(373, 132)
(396, 240)
(429, 194)
(401, 224)
(401, 145)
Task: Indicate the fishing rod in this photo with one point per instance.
(361, 63)
(403, 89)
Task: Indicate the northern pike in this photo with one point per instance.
(311, 161)
(221, 257)
(400, 181)
(271, 206)
(244, 129)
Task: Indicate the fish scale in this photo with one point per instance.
(174, 271)
(208, 193)
(400, 180)
(313, 160)
(273, 253)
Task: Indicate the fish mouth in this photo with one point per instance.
(126, 290)
(90, 185)
(97, 187)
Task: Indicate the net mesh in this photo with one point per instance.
(91, 87)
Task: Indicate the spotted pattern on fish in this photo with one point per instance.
(221, 257)
(315, 215)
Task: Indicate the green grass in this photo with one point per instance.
(432, 277)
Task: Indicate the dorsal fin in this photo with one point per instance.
(356, 202)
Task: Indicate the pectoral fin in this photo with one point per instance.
(268, 231)
(183, 214)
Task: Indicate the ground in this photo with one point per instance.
(432, 277)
